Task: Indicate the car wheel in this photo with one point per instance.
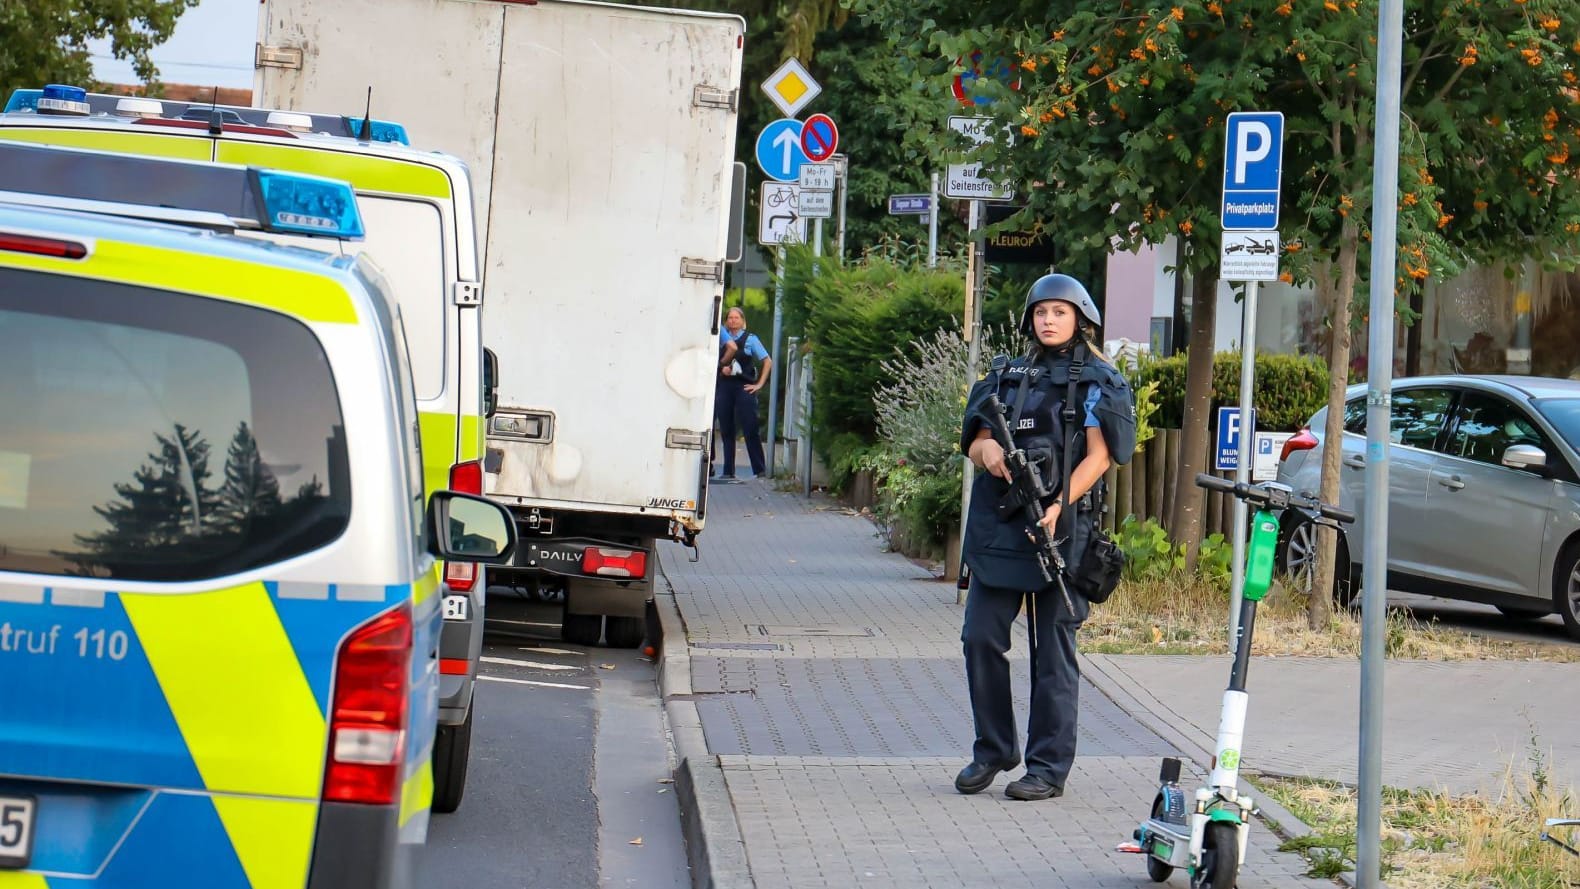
(1299, 562)
(1566, 589)
(624, 632)
(1513, 613)
(452, 750)
(582, 629)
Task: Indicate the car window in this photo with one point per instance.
(1563, 413)
(1418, 416)
(1485, 425)
(1355, 415)
(406, 239)
(158, 436)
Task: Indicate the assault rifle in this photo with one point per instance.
(1029, 496)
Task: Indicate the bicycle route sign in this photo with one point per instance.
(779, 218)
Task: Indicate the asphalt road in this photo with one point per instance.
(1482, 620)
(567, 786)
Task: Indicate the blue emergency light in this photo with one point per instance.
(62, 99)
(379, 130)
(310, 205)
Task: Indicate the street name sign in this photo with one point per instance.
(910, 204)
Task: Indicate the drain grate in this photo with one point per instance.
(778, 630)
(740, 646)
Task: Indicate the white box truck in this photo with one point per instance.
(601, 140)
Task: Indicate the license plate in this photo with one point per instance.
(1162, 849)
(16, 831)
(457, 607)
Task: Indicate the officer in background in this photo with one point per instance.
(1060, 318)
(740, 379)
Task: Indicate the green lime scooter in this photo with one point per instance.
(1207, 836)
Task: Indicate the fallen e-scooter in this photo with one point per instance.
(1207, 834)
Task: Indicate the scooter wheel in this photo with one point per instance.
(1220, 858)
(1157, 870)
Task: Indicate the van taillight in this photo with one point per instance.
(1300, 441)
(467, 478)
(367, 727)
(614, 562)
(56, 247)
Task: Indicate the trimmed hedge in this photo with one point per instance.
(1289, 388)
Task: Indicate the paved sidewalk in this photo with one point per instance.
(817, 696)
(1456, 726)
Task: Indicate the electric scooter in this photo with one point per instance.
(1207, 835)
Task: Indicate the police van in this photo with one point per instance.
(418, 211)
(219, 617)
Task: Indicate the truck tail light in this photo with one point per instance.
(367, 726)
(460, 576)
(614, 562)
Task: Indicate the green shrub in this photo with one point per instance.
(1151, 555)
(1289, 388)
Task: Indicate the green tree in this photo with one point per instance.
(250, 491)
(46, 41)
(166, 506)
(1118, 117)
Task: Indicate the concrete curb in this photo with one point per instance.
(714, 846)
(1283, 822)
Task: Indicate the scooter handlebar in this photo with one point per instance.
(1277, 497)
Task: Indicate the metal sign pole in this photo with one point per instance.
(773, 390)
(932, 226)
(973, 324)
(842, 169)
(1379, 376)
(1247, 452)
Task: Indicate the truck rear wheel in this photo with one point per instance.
(452, 750)
(581, 629)
(624, 632)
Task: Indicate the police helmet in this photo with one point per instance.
(1060, 287)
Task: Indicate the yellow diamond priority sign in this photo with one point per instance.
(791, 87)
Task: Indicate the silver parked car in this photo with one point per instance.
(1483, 493)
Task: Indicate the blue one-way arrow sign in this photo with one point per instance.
(779, 150)
(1253, 159)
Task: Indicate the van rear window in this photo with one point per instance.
(156, 436)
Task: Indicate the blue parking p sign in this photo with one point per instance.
(1253, 158)
(1229, 431)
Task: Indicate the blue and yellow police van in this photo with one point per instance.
(219, 619)
(418, 213)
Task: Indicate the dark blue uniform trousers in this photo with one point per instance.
(1055, 679)
(736, 410)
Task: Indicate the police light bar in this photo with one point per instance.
(250, 198)
(95, 104)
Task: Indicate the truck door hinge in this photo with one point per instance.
(702, 269)
(277, 57)
(705, 96)
(468, 293)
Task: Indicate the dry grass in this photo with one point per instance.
(1432, 840)
(1179, 617)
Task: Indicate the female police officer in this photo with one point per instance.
(1060, 317)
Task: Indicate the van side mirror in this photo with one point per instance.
(1527, 457)
(490, 382)
(464, 528)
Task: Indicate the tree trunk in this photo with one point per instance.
(1341, 295)
(1185, 525)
